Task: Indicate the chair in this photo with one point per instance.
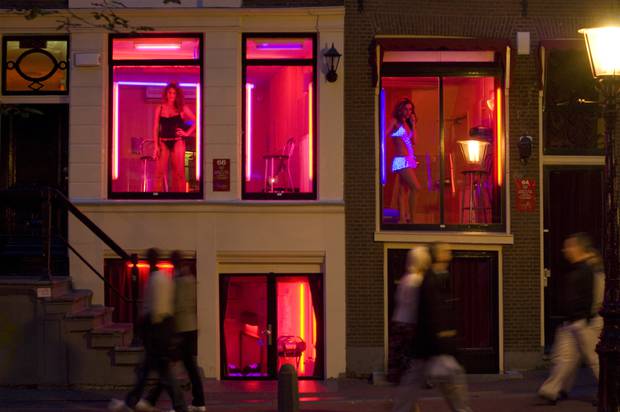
(144, 148)
(272, 171)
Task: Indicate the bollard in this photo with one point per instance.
(288, 390)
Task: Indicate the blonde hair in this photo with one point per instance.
(418, 260)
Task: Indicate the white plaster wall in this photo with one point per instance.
(221, 221)
(209, 230)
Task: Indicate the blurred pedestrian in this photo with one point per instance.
(186, 335)
(158, 320)
(436, 334)
(401, 366)
(576, 338)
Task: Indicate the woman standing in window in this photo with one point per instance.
(404, 162)
(169, 133)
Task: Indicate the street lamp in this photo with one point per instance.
(603, 44)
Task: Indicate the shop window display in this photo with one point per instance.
(155, 142)
(441, 151)
(279, 147)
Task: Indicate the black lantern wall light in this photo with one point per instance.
(332, 58)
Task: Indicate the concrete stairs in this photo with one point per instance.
(78, 343)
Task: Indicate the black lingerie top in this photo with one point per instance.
(168, 126)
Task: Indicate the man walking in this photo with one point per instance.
(574, 338)
(158, 333)
(186, 332)
(436, 339)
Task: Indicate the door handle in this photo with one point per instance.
(546, 276)
(267, 332)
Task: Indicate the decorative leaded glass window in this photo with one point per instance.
(572, 121)
(35, 65)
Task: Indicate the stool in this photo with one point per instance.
(271, 172)
(475, 193)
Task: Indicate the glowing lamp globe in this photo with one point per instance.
(474, 151)
(603, 44)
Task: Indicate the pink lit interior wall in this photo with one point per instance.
(279, 108)
(465, 106)
(136, 95)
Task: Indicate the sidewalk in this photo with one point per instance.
(490, 393)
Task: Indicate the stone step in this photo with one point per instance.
(74, 301)
(128, 355)
(89, 318)
(111, 335)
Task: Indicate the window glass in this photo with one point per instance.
(279, 132)
(440, 151)
(155, 140)
(279, 48)
(573, 125)
(35, 65)
(156, 48)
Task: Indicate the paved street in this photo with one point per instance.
(490, 393)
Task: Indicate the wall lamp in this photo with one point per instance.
(525, 148)
(332, 58)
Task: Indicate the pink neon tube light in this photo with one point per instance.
(198, 158)
(248, 131)
(115, 132)
(310, 133)
(162, 46)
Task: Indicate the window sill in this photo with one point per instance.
(483, 238)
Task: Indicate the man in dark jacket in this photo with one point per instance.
(574, 338)
(436, 341)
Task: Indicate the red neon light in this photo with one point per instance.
(310, 133)
(248, 131)
(146, 265)
(499, 151)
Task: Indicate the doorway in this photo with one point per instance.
(573, 203)
(34, 152)
(474, 278)
(268, 320)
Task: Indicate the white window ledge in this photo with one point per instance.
(482, 238)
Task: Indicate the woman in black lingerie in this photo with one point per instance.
(169, 131)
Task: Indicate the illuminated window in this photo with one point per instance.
(35, 65)
(279, 128)
(441, 141)
(155, 121)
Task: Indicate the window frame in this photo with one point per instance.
(441, 70)
(53, 37)
(161, 62)
(245, 62)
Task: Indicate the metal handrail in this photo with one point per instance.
(47, 196)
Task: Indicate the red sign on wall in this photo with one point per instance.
(221, 175)
(525, 194)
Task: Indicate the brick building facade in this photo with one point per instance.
(521, 287)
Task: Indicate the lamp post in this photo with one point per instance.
(603, 44)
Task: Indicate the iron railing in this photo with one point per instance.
(45, 208)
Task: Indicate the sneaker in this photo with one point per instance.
(144, 406)
(116, 405)
(546, 399)
(192, 408)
